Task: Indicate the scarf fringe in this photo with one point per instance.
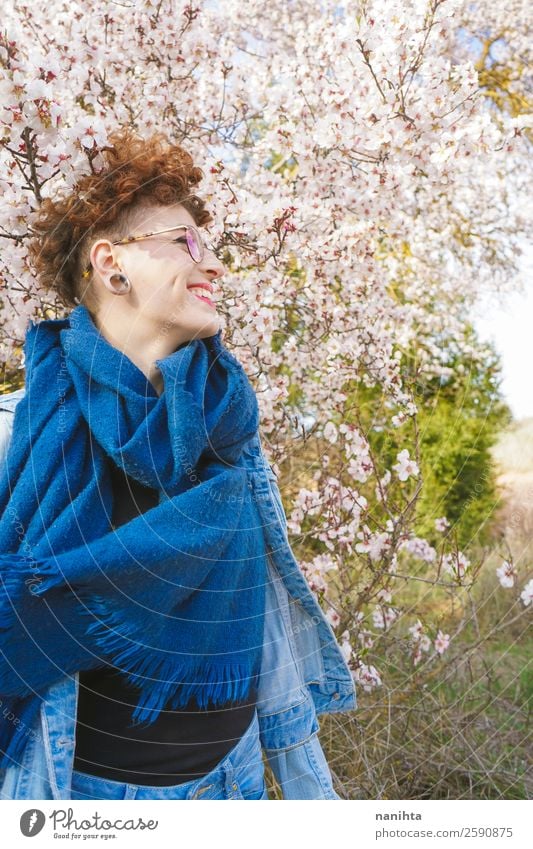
(13, 576)
(16, 574)
(42, 573)
(159, 679)
(162, 679)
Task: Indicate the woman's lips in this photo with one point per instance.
(204, 298)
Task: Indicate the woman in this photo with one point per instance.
(156, 631)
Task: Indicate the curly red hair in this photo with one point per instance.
(135, 170)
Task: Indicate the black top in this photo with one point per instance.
(181, 745)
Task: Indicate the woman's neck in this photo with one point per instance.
(142, 343)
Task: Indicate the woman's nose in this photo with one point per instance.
(212, 265)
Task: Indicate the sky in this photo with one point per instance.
(509, 324)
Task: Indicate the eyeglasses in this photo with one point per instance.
(192, 239)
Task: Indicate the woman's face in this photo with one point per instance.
(164, 278)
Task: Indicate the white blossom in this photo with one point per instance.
(527, 593)
(506, 574)
(330, 432)
(405, 467)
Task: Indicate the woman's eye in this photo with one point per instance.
(180, 240)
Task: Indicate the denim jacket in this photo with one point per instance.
(303, 671)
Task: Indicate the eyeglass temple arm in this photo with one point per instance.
(155, 233)
(129, 239)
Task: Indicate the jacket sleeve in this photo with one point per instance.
(6, 429)
(302, 771)
(287, 714)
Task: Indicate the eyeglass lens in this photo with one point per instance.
(194, 245)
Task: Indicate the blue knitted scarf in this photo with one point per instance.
(175, 597)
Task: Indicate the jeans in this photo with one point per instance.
(240, 775)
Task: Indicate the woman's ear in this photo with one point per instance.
(102, 257)
(105, 264)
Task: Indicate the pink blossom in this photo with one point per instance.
(420, 548)
(416, 629)
(456, 564)
(333, 617)
(373, 544)
(383, 617)
(368, 677)
(442, 642)
(442, 524)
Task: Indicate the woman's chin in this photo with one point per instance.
(207, 327)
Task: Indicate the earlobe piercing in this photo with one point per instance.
(126, 284)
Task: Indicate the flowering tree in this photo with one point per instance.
(366, 182)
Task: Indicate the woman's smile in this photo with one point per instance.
(202, 294)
